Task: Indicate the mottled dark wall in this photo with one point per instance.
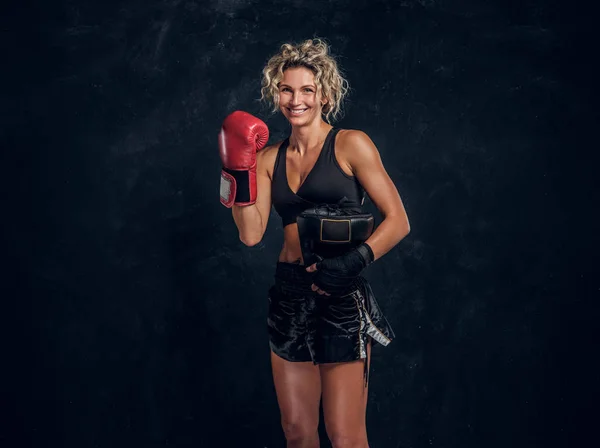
(124, 275)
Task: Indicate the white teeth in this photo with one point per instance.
(297, 111)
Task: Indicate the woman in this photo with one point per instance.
(320, 339)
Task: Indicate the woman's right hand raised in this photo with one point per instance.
(242, 136)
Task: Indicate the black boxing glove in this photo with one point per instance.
(337, 276)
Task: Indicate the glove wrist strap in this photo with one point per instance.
(235, 187)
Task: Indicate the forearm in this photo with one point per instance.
(249, 223)
(388, 234)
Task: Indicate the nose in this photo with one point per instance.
(295, 98)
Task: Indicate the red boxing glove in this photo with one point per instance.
(242, 136)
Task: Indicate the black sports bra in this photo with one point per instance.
(326, 183)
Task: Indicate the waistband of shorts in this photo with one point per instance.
(293, 277)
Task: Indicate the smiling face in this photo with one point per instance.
(299, 100)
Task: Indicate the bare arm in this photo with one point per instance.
(365, 161)
(251, 220)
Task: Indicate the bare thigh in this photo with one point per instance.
(345, 401)
(298, 389)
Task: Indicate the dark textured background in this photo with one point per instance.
(134, 317)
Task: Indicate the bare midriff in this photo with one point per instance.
(291, 251)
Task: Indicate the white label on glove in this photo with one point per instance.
(227, 189)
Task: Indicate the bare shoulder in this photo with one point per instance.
(355, 147)
(266, 157)
(352, 140)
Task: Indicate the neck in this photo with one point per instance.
(309, 136)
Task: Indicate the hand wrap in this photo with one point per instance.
(337, 275)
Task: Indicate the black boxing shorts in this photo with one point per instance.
(306, 326)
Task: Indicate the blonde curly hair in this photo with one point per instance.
(314, 55)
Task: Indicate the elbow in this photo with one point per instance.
(250, 240)
(402, 226)
(403, 233)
